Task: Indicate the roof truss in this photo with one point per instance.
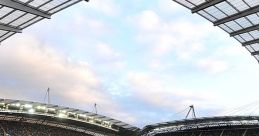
(16, 15)
(205, 5)
(245, 30)
(239, 18)
(238, 15)
(19, 6)
(10, 28)
(250, 42)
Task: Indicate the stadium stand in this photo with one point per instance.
(209, 126)
(28, 129)
(31, 118)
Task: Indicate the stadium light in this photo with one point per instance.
(62, 115)
(17, 104)
(41, 107)
(31, 111)
(27, 106)
(82, 115)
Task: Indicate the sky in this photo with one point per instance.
(141, 61)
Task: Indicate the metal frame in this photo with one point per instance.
(16, 15)
(206, 5)
(238, 18)
(250, 42)
(245, 30)
(18, 6)
(10, 28)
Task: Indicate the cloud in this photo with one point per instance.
(35, 64)
(158, 93)
(213, 66)
(107, 7)
(168, 6)
(163, 36)
(107, 52)
(28, 67)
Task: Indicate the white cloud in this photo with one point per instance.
(28, 67)
(213, 66)
(165, 36)
(148, 20)
(107, 52)
(37, 65)
(168, 6)
(107, 7)
(156, 92)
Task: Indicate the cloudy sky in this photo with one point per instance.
(141, 61)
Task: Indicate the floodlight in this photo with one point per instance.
(31, 110)
(27, 106)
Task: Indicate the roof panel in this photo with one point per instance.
(241, 16)
(239, 4)
(23, 13)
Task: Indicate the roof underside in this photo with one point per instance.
(239, 18)
(16, 15)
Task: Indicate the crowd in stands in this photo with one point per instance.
(9, 128)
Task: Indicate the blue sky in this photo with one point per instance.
(141, 61)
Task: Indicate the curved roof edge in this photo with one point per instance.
(16, 15)
(239, 18)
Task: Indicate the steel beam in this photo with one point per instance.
(22, 7)
(250, 42)
(248, 29)
(244, 13)
(10, 28)
(206, 5)
(255, 53)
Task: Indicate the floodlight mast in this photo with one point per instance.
(191, 109)
(47, 95)
(95, 108)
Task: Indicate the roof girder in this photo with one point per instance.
(206, 5)
(250, 42)
(25, 8)
(238, 15)
(255, 53)
(10, 28)
(245, 30)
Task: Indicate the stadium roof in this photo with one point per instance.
(49, 110)
(198, 123)
(239, 18)
(16, 15)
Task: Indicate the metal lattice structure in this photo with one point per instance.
(201, 126)
(239, 18)
(64, 117)
(16, 15)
